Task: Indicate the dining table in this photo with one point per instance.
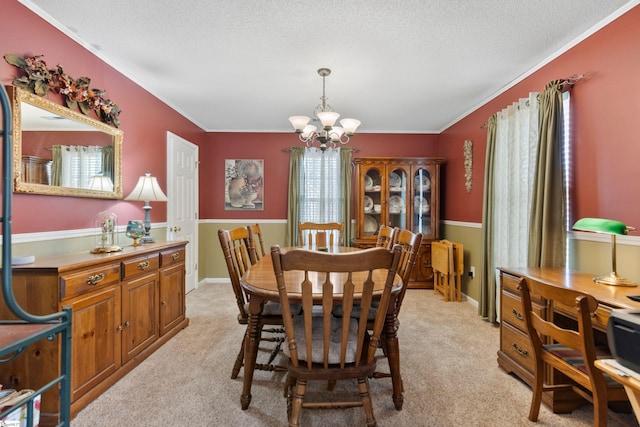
(259, 283)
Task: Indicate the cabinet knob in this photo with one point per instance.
(119, 327)
(163, 303)
(175, 257)
(143, 265)
(176, 229)
(126, 323)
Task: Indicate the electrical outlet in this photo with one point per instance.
(472, 272)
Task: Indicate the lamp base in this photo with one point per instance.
(614, 280)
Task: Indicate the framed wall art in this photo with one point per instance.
(244, 184)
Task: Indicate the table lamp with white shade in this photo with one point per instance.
(148, 190)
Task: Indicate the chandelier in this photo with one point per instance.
(327, 117)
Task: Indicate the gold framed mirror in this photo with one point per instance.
(60, 152)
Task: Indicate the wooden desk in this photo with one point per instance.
(631, 384)
(515, 354)
(260, 283)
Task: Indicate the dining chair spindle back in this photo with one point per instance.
(386, 236)
(321, 346)
(258, 242)
(239, 254)
(308, 233)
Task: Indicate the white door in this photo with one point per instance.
(182, 207)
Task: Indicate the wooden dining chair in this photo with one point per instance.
(410, 245)
(386, 236)
(320, 346)
(258, 242)
(308, 233)
(239, 255)
(571, 352)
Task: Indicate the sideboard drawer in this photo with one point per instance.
(517, 346)
(135, 266)
(78, 282)
(172, 257)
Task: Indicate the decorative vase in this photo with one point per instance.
(135, 230)
(248, 199)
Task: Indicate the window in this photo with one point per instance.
(79, 164)
(321, 197)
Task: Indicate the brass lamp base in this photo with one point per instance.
(614, 280)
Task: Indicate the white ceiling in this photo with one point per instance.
(400, 66)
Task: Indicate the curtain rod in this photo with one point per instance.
(569, 81)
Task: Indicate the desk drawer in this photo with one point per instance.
(144, 264)
(510, 283)
(78, 282)
(517, 346)
(512, 310)
(601, 317)
(172, 257)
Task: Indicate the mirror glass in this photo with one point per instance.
(61, 152)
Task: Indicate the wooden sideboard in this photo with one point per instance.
(125, 305)
(515, 354)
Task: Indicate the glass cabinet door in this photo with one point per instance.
(422, 201)
(372, 202)
(397, 202)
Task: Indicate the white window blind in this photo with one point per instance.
(321, 197)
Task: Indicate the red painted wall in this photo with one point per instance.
(144, 120)
(270, 146)
(606, 128)
(606, 107)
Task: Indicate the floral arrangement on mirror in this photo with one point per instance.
(39, 80)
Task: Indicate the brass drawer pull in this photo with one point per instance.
(143, 265)
(522, 351)
(175, 257)
(517, 314)
(95, 279)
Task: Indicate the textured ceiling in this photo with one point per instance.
(400, 66)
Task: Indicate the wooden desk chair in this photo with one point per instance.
(386, 236)
(308, 232)
(571, 352)
(320, 346)
(443, 268)
(239, 255)
(258, 242)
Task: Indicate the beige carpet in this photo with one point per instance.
(448, 360)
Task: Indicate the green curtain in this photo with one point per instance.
(346, 170)
(547, 230)
(487, 304)
(293, 215)
(56, 165)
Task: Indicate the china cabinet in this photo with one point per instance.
(403, 193)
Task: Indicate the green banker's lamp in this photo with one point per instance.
(612, 227)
